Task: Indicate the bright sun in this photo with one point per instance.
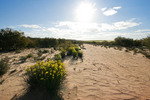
(85, 12)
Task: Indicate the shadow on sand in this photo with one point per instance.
(38, 94)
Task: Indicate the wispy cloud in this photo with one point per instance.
(143, 30)
(110, 11)
(118, 25)
(103, 9)
(82, 30)
(29, 26)
(97, 27)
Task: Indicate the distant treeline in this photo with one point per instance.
(15, 40)
(125, 42)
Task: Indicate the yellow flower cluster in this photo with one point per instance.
(49, 72)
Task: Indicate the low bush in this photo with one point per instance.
(39, 53)
(70, 51)
(58, 57)
(76, 48)
(18, 51)
(122, 41)
(75, 54)
(63, 53)
(47, 75)
(23, 58)
(29, 55)
(80, 54)
(45, 51)
(135, 50)
(4, 66)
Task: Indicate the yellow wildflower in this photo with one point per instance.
(42, 79)
(29, 70)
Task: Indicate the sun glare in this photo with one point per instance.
(85, 12)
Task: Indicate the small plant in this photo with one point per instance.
(76, 48)
(39, 53)
(135, 51)
(45, 51)
(4, 65)
(29, 55)
(58, 57)
(23, 58)
(75, 54)
(80, 54)
(52, 50)
(70, 51)
(18, 51)
(48, 74)
(63, 53)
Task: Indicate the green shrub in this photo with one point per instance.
(45, 51)
(23, 58)
(70, 51)
(52, 50)
(146, 42)
(39, 53)
(74, 53)
(29, 55)
(4, 65)
(76, 48)
(12, 40)
(48, 74)
(135, 50)
(58, 57)
(18, 51)
(80, 54)
(63, 53)
(122, 41)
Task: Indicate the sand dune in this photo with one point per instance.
(103, 74)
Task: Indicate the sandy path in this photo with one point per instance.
(107, 74)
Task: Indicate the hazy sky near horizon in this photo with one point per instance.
(77, 19)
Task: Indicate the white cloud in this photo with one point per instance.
(143, 30)
(84, 30)
(110, 11)
(96, 27)
(29, 26)
(103, 9)
(117, 7)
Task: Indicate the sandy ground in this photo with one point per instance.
(13, 82)
(108, 74)
(103, 74)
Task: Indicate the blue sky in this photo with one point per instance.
(77, 19)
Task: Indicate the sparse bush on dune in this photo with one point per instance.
(70, 51)
(45, 51)
(4, 66)
(76, 48)
(18, 51)
(23, 58)
(63, 53)
(48, 75)
(39, 53)
(146, 42)
(58, 57)
(29, 55)
(74, 53)
(80, 54)
(126, 42)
